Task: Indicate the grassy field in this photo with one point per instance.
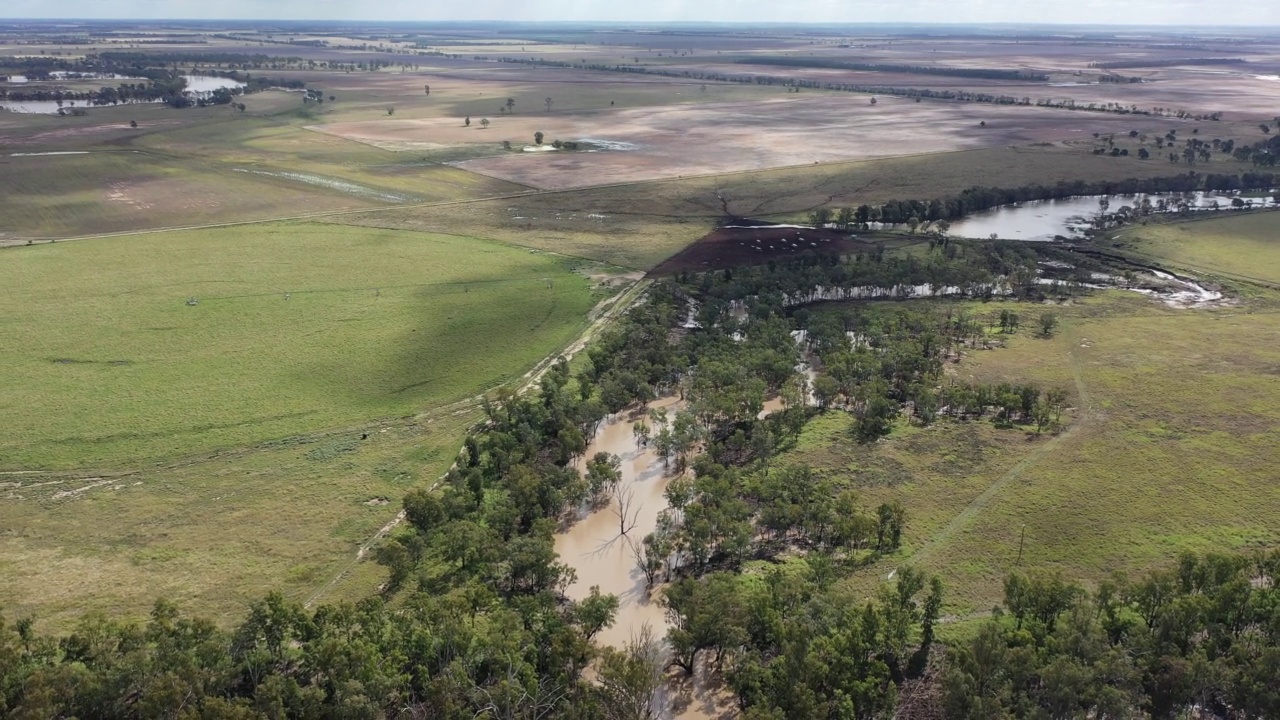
(117, 191)
(1245, 247)
(297, 327)
(217, 533)
(1166, 449)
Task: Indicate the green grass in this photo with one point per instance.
(1243, 246)
(217, 533)
(1168, 448)
(109, 365)
(119, 191)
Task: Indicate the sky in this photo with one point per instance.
(1106, 12)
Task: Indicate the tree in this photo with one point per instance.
(876, 418)
(891, 520)
(596, 612)
(630, 677)
(548, 102)
(506, 144)
(391, 110)
(537, 138)
(825, 390)
(484, 123)
(427, 88)
(394, 556)
(510, 104)
(466, 121)
(604, 471)
(1048, 324)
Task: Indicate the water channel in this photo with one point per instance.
(1045, 220)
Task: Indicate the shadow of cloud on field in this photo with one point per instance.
(458, 340)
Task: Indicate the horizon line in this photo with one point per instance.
(660, 23)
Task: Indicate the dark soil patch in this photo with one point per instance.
(736, 246)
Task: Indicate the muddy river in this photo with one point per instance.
(593, 546)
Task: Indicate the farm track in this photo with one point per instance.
(78, 481)
(962, 519)
(604, 312)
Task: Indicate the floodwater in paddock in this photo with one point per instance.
(1044, 220)
(208, 83)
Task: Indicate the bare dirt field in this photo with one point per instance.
(710, 138)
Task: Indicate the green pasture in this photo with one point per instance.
(217, 533)
(295, 327)
(1244, 247)
(1167, 448)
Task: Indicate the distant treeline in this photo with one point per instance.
(1117, 64)
(160, 79)
(907, 92)
(977, 199)
(143, 59)
(967, 72)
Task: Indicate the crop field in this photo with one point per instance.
(297, 327)
(699, 139)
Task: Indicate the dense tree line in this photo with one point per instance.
(917, 93)
(977, 199)
(473, 620)
(1169, 62)
(943, 70)
(1200, 639)
(959, 269)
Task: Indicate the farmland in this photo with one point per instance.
(1243, 247)
(241, 337)
(292, 327)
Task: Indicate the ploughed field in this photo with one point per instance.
(630, 145)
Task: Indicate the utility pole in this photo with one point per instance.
(1021, 540)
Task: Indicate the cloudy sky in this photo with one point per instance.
(1145, 12)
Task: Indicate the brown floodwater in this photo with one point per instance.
(594, 547)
